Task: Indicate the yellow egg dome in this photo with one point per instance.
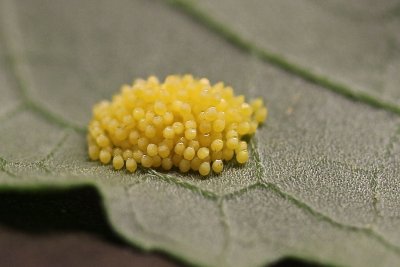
(183, 122)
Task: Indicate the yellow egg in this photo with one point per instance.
(118, 162)
(242, 156)
(94, 152)
(217, 166)
(167, 163)
(105, 156)
(195, 163)
(189, 153)
(203, 152)
(184, 165)
(163, 151)
(179, 148)
(204, 168)
(146, 161)
(152, 150)
(127, 154)
(131, 165)
(217, 145)
(168, 132)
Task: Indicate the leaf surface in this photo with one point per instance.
(352, 44)
(322, 182)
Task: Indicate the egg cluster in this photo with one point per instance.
(183, 122)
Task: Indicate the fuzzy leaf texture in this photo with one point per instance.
(323, 180)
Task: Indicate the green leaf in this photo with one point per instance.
(350, 47)
(322, 182)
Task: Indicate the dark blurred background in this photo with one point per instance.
(68, 228)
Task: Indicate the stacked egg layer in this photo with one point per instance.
(183, 122)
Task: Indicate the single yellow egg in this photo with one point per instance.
(105, 156)
(217, 145)
(118, 162)
(152, 150)
(189, 153)
(242, 156)
(203, 152)
(204, 168)
(167, 163)
(217, 166)
(131, 165)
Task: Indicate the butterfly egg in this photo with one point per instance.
(261, 115)
(242, 156)
(167, 163)
(204, 168)
(94, 152)
(168, 118)
(138, 113)
(117, 151)
(179, 148)
(176, 159)
(149, 117)
(241, 146)
(244, 128)
(168, 132)
(150, 131)
(189, 153)
(195, 163)
(134, 137)
(118, 162)
(105, 156)
(152, 150)
(180, 122)
(211, 114)
(257, 103)
(203, 152)
(102, 140)
(127, 154)
(227, 154)
(216, 155)
(143, 143)
(232, 142)
(137, 155)
(178, 127)
(190, 124)
(156, 161)
(184, 165)
(157, 121)
(131, 165)
(218, 125)
(190, 133)
(217, 145)
(217, 166)
(163, 151)
(121, 134)
(160, 108)
(205, 127)
(146, 161)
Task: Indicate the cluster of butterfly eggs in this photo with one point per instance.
(183, 122)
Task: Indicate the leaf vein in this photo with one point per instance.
(227, 231)
(10, 113)
(14, 60)
(191, 10)
(171, 179)
(322, 217)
